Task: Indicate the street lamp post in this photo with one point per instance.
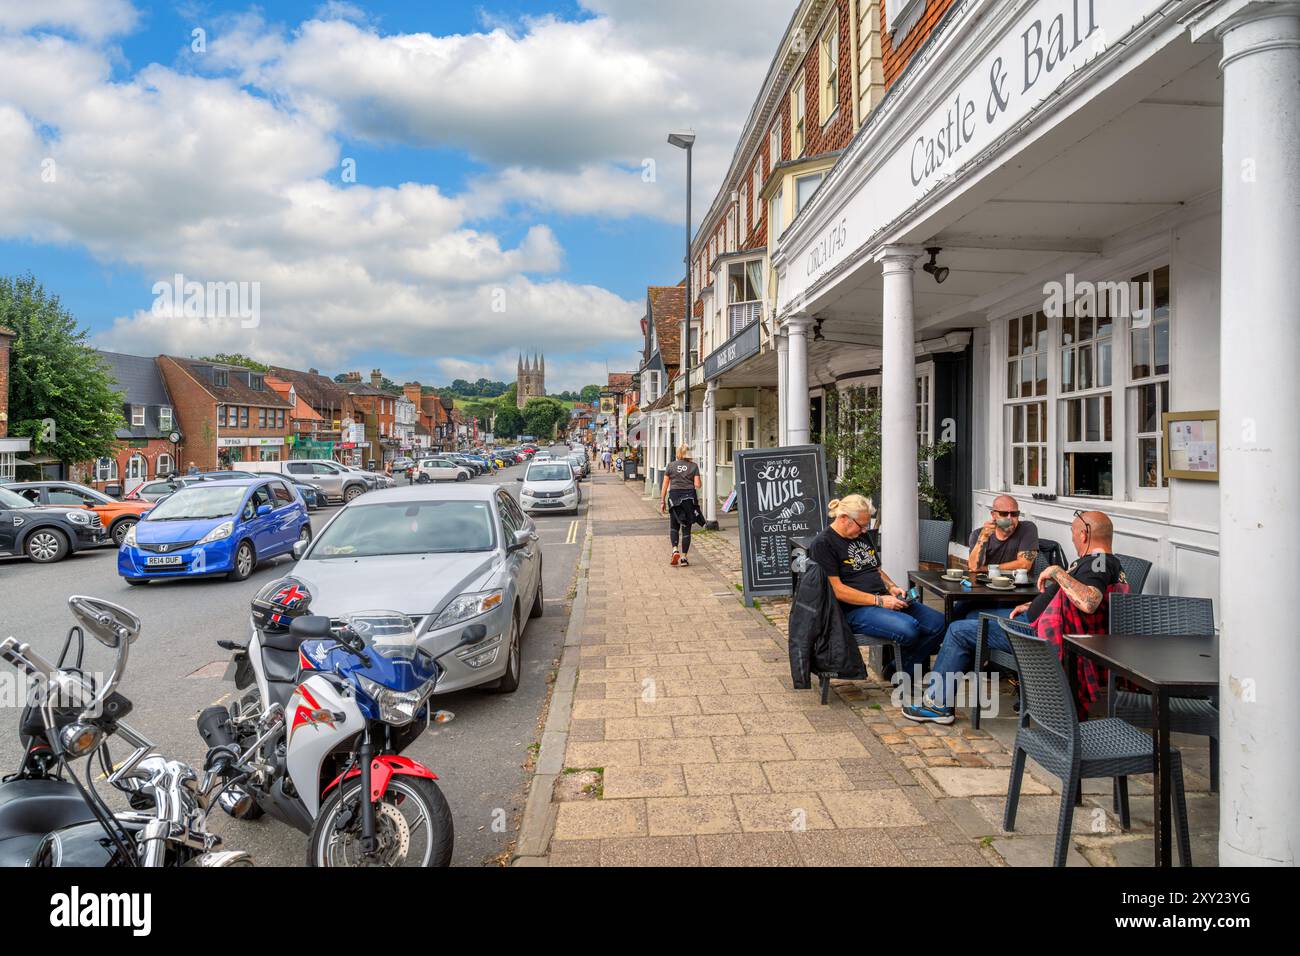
(686, 141)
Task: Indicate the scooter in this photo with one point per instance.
(48, 817)
(317, 739)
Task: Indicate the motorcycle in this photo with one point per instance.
(317, 739)
(48, 817)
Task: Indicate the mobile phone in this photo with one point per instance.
(913, 594)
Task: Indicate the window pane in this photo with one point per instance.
(1141, 353)
(1042, 420)
(1162, 347)
(1074, 427)
(1148, 472)
(1067, 370)
(1018, 466)
(1013, 338)
(1092, 416)
(1104, 325)
(1027, 335)
(1042, 332)
(1018, 423)
(1032, 424)
(1067, 331)
(1148, 420)
(1026, 377)
(1034, 477)
(1105, 401)
(1085, 329)
(1085, 366)
(1104, 352)
(1013, 380)
(1160, 294)
(1041, 385)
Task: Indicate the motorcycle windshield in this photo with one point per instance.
(389, 634)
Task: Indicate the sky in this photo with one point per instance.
(426, 187)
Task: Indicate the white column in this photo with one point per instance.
(1259, 442)
(711, 455)
(898, 477)
(782, 389)
(796, 415)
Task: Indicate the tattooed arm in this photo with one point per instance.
(1083, 596)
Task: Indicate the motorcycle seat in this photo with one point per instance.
(280, 666)
(29, 809)
(282, 640)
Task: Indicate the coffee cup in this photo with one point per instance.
(995, 570)
(1022, 576)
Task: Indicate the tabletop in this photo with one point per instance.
(1154, 660)
(935, 582)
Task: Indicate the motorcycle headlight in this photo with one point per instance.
(396, 707)
(79, 517)
(466, 606)
(220, 533)
(128, 539)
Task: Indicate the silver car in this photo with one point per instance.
(462, 560)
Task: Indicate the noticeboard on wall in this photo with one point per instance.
(1192, 445)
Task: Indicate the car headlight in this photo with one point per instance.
(79, 517)
(220, 533)
(396, 707)
(466, 606)
(128, 539)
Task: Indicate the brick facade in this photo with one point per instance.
(201, 411)
(897, 52)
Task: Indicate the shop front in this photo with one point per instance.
(233, 450)
(1103, 194)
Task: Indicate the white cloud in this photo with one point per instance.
(92, 19)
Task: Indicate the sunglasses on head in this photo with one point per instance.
(1086, 527)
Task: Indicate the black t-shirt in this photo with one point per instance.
(856, 562)
(1092, 570)
(1024, 538)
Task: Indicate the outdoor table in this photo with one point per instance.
(951, 592)
(1180, 665)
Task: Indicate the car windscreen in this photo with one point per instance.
(407, 527)
(11, 499)
(547, 472)
(199, 501)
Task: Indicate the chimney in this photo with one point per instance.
(6, 337)
(354, 378)
(312, 371)
(376, 378)
(413, 393)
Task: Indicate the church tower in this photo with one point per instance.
(530, 379)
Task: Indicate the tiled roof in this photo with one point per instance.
(666, 307)
(318, 391)
(139, 382)
(236, 391)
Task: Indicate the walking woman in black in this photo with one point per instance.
(679, 499)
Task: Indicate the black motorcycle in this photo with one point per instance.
(50, 817)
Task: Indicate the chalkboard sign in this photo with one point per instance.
(782, 495)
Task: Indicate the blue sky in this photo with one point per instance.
(498, 202)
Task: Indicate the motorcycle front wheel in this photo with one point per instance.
(412, 826)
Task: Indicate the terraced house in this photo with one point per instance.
(1059, 233)
(227, 413)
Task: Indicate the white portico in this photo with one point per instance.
(1113, 187)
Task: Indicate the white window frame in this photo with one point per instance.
(742, 210)
(166, 421)
(774, 145)
(166, 459)
(799, 116)
(820, 176)
(106, 473)
(904, 14)
(137, 416)
(925, 410)
(758, 192)
(144, 468)
(829, 68)
(1130, 407)
(1043, 443)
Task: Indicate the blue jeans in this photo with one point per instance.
(918, 629)
(971, 610)
(957, 655)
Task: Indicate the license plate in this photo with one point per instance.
(167, 561)
(547, 504)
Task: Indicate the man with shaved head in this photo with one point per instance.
(1004, 539)
(1086, 584)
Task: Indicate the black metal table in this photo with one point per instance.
(950, 592)
(1180, 665)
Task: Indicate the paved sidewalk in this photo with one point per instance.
(675, 738)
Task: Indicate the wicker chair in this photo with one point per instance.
(1135, 570)
(1049, 553)
(986, 656)
(1050, 732)
(934, 538)
(1158, 614)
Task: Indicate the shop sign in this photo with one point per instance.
(742, 345)
(782, 494)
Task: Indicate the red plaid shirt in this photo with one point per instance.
(1063, 617)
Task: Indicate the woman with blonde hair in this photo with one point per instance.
(678, 499)
(849, 552)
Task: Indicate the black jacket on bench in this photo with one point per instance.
(820, 639)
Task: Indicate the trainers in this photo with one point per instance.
(677, 556)
(683, 562)
(928, 713)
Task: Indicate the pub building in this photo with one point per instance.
(1108, 191)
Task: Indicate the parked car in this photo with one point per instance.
(313, 498)
(579, 463)
(154, 491)
(45, 533)
(402, 464)
(549, 486)
(215, 527)
(331, 479)
(115, 516)
(441, 469)
(464, 561)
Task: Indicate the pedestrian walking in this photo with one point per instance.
(679, 499)
(605, 458)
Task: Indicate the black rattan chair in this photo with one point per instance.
(1050, 732)
(934, 538)
(1135, 570)
(1159, 614)
(986, 657)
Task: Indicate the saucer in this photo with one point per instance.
(1002, 584)
(947, 576)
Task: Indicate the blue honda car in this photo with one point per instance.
(215, 527)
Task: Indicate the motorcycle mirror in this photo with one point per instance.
(111, 623)
(310, 627)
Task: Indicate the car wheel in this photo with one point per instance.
(351, 494)
(461, 476)
(509, 682)
(121, 528)
(244, 562)
(46, 545)
(304, 534)
(539, 602)
(423, 480)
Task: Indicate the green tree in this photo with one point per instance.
(235, 358)
(55, 376)
(541, 415)
(590, 394)
(509, 422)
(511, 395)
